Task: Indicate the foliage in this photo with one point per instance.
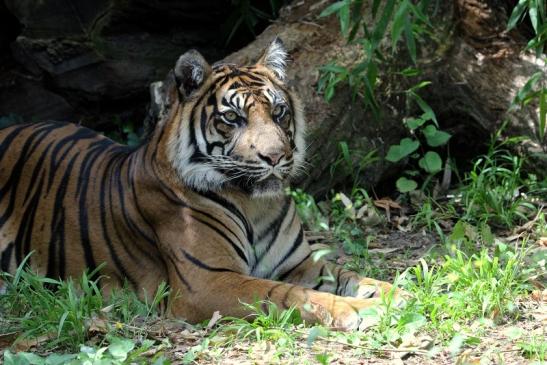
(535, 90)
(495, 189)
(249, 13)
(352, 162)
(63, 311)
(118, 352)
(10, 119)
(406, 18)
(427, 127)
(125, 132)
(537, 13)
(308, 210)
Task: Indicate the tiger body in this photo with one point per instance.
(199, 205)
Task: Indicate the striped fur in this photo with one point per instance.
(199, 205)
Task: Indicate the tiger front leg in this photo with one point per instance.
(226, 291)
(332, 278)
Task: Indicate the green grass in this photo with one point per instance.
(496, 189)
(60, 314)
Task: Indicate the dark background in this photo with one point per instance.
(91, 62)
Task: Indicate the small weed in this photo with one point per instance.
(266, 322)
(534, 348)
(495, 190)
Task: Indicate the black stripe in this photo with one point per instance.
(202, 265)
(6, 257)
(320, 281)
(287, 273)
(24, 233)
(58, 225)
(8, 140)
(102, 214)
(232, 209)
(275, 224)
(37, 168)
(239, 251)
(295, 245)
(181, 278)
(12, 184)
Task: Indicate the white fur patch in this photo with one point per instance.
(275, 58)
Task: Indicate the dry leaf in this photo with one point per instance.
(97, 325)
(542, 242)
(214, 319)
(386, 203)
(25, 344)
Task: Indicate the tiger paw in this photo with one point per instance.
(370, 288)
(347, 314)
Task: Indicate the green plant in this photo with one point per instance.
(125, 132)
(405, 17)
(63, 311)
(425, 133)
(537, 13)
(266, 322)
(535, 89)
(534, 348)
(308, 210)
(465, 288)
(118, 352)
(494, 190)
(352, 162)
(248, 13)
(10, 119)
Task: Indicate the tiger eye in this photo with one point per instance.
(230, 116)
(278, 110)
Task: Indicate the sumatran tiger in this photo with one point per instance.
(200, 204)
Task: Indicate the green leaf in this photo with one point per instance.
(425, 107)
(413, 123)
(410, 71)
(405, 185)
(315, 332)
(410, 41)
(332, 8)
(59, 359)
(343, 14)
(435, 137)
(403, 149)
(119, 348)
(398, 24)
(542, 114)
(517, 13)
(431, 162)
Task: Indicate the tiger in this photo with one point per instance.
(200, 204)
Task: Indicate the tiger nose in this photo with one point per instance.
(271, 158)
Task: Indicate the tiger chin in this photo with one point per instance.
(200, 204)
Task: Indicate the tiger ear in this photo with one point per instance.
(191, 70)
(275, 58)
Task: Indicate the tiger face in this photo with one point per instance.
(241, 127)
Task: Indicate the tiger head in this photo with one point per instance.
(238, 127)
